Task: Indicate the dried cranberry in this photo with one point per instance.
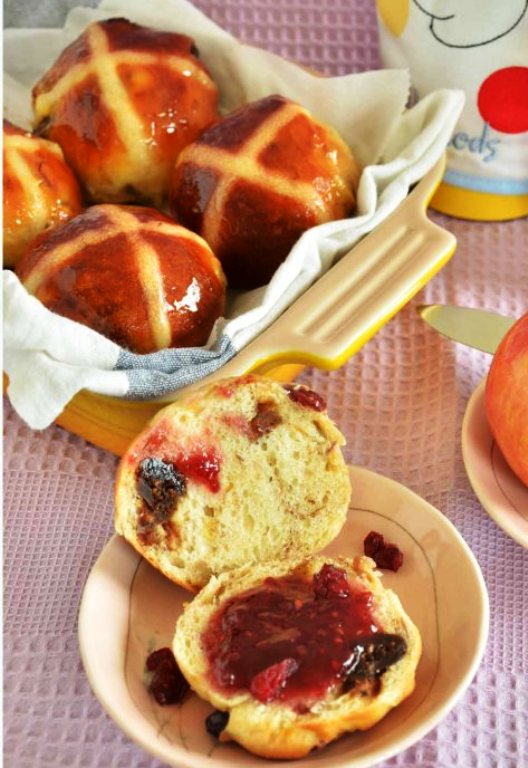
(384, 554)
(371, 655)
(216, 722)
(330, 582)
(372, 543)
(160, 485)
(168, 685)
(265, 420)
(306, 397)
(267, 685)
(156, 658)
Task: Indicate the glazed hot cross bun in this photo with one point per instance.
(40, 191)
(122, 100)
(254, 181)
(130, 273)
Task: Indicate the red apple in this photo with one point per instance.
(506, 397)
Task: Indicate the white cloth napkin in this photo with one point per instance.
(48, 359)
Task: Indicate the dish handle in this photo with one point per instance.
(353, 300)
(324, 327)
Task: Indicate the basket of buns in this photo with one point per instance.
(179, 206)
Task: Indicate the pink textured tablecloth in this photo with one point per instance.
(400, 403)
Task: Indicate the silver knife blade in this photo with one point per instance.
(475, 328)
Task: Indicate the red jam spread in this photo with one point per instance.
(197, 461)
(229, 387)
(202, 466)
(293, 639)
(305, 397)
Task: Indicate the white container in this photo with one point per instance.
(480, 46)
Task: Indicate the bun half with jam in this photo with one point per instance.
(242, 471)
(293, 654)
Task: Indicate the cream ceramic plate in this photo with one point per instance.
(128, 609)
(500, 492)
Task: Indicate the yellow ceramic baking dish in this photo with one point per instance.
(324, 327)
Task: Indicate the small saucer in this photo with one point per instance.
(499, 490)
(129, 609)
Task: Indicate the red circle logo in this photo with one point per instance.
(503, 100)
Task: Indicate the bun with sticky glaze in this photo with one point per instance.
(258, 178)
(122, 100)
(130, 273)
(40, 192)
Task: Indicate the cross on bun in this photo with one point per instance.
(122, 100)
(130, 273)
(40, 190)
(294, 653)
(255, 180)
(245, 470)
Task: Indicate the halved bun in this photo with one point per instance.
(237, 472)
(276, 728)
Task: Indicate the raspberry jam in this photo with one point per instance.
(202, 466)
(305, 397)
(293, 639)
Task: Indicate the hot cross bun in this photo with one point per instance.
(295, 653)
(254, 181)
(130, 273)
(40, 190)
(122, 101)
(244, 470)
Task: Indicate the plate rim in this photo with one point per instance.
(475, 414)
(385, 751)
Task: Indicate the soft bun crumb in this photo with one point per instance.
(261, 476)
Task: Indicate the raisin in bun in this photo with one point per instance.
(240, 471)
(40, 190)
(297, 653)
(130, 273)
(122, 100)
(254, 181)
